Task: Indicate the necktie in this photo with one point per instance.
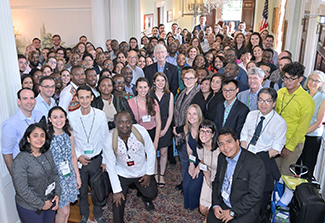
(257, 132)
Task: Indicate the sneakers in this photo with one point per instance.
(84, 219)
(149, 205)
(100, 220)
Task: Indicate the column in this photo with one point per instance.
(9, 85)
(118, 20)
(98, 22)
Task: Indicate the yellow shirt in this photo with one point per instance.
(297, 110)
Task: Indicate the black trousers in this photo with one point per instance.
(148, 194)
(309, 153)
(86, 172)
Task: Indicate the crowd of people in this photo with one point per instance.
(238, 113)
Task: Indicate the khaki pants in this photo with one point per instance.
(284, 163)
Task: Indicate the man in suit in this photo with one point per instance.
(162, 66)
(231, 113)
(202, 25)
(237, 190)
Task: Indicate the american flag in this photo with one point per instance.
(264, 23)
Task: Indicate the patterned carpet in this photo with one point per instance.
(169, 204)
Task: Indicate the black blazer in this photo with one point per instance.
(247, 186)
(170, 71)
(235, 119)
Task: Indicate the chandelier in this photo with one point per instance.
(202, 7)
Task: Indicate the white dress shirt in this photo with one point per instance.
(273, 134)
(144, 157)
(89, 130)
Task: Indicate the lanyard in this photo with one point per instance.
(91, 127)
(127, 148)
(286, 104)
(29, 119)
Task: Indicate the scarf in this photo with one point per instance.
(74, 104)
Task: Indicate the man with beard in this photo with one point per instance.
(91, 80)
(132, 59)
(68, 97)
(56, 40)
(231, 71)
(22, 63)
(33, 59)
(44, 101)
(74, 60)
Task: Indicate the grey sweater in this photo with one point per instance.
(30, 179)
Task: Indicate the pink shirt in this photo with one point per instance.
(139, 113)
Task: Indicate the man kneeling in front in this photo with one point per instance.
(130, 159)
(239, 182)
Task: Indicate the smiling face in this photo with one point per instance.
(105, 87)
(28, 83)
(255, 40)
(181, 60)
(128, 74)
(65, 75)
(47, 88)
(229, 92)
(52, 63)
(189, 80)
(254, 82)
(314, 83)
(160, 82)
(91, 78)
(228, 145)
(161, 55)
(36, 139)
(206, 135)
(192, 116)
(123, 124)
(218, 63)
(142, 88)
(119, 84)
(27, 100)
(57, 119)
(205, 86)
(265, 103)
(199, 62)
(78, 76)
(142, 62)
(216, 84)
(47, 71)
(85, 97)
(258, 52)
(192, 53)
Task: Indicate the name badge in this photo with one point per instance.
(225, 195)
(192, 158)
(146, 118)
(203, 167)
(50, 188)
(130, 162)
(89, 149)
(64, 168)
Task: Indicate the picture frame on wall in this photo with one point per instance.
(169, 15)
(148, 21)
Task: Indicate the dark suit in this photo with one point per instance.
(170, 71)
(199, 28)
(246, 188)
(235, 119)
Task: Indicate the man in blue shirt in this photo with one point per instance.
(14, 128)
(237, 190)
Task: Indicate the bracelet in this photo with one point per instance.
(191, 161)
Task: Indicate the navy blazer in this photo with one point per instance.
(235, 119)
(170, 71)
(247, 186)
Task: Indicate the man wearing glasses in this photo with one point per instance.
(264, 134)
(296, 106)
(231, 113)
(44, 101)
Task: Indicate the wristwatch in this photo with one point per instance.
(232, 213)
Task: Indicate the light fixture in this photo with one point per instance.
(201, 7)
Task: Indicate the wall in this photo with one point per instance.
(259, 7)
(59, 16)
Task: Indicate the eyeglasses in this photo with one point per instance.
(47, 86)
(228, 90)
(119, 82)
(189, 78)
(229, 55)
(290, 79)
(315, 81)
(52, 62)
(108, 64)
(267, 101)
(207, 132)
(57, 78)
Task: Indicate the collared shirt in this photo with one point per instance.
(13, 130)
(129, 89)
(137, 72)
(95, 92)
(142, 155)
(273, 134)
(89, 130)
(42, 106)
(297, 110)
(249, 99)
(205, 46)
(66, 96)
(179, 37)
(227, 180)
(161, 69)
(172, 60)
(227, 110)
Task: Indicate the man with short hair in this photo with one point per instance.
(230, 57)
(231, 71)
(108, 45)
(22, 63)
(266, 59)
(162, 66)
(268, 44)
(155, 32)
(115, 48)
(237, 190)
(242, 27)
(14, 128)
(44, 101)
(83, 39)
(132, 59)
(230, 113)
(91, 80)
(202, 25)
(100, 58)
(276, 75)
(249, 96)
(172, 53)
(56, 40)
(33, 61)
(73, 61)
(131, 157)
(37, 43)
(266, 82)
(264, 134)
(297, 107)
(161, 28)
(127, 73)
(90, 130)
(231, 26)
(174, 32)
(68, 97)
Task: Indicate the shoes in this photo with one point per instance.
(179, 186)
(84, 219)
(149, 205)
(172, 162)
(100, 220)
(160, 184)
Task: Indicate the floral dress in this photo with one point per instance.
(61, 150)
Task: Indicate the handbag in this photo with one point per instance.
(100, 188)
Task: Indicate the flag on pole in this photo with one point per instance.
(264, 23)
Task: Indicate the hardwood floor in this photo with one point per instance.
(74, 212)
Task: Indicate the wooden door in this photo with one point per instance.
(211, 18)
(248, 12)
(320, 53)
(305, 22)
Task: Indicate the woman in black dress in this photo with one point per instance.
(165, 98)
